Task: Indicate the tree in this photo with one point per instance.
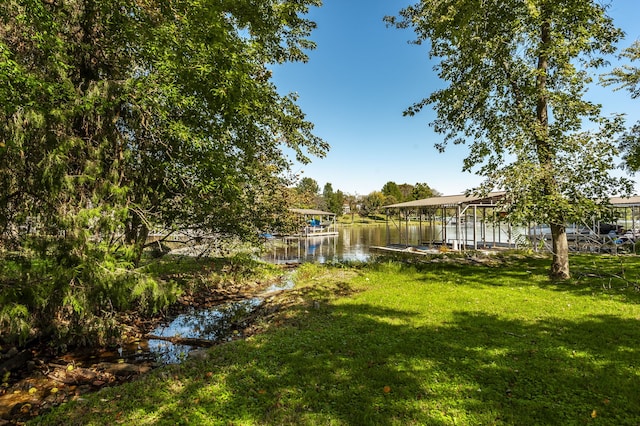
(119, 116)
(333, 201)
(308, 185)
(392, 193)
(406, 190)
(422, 190)
(308, 193)
(517, 72)
(327, 197)
(338, 201)
(628, 77)
(353, 202)
(372, 203)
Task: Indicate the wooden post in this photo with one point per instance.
(406, 225)
(444, 226)
(388, 229)
(419, 210)
(458, 231)
(475, 237)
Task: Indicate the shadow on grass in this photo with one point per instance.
(358, 364)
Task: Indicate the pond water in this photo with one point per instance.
(352, 243)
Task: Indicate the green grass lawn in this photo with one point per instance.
(356, 219)
(429, 344)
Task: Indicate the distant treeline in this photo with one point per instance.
(338, 202)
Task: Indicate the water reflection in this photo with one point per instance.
(215, 324)
(353, 242)
(211, 324)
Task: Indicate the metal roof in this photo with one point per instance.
(312, 212)
(450, 200)
(625, 201)
(489, 199)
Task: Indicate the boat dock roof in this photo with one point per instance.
(451, 201)
(489, 200)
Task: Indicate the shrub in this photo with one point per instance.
(57, 290)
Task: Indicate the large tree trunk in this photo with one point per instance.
(560, 264)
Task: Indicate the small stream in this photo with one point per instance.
(74, 373)
(216, 324)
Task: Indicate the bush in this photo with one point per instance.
(57, 290)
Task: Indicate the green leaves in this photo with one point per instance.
(118, 116)
(160, 96)
(517, 75)
(628, 77)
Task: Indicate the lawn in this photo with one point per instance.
(438, 343)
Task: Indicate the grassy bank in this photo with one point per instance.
(356, 219)
(433, 344)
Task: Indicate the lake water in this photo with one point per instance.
(353, 242)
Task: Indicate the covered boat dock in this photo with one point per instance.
(629, 211)
(465, 222)
(316, 223)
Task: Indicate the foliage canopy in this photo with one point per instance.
(123, 116)
(628, 77)
(517, 74)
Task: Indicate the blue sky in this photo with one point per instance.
(363, 75)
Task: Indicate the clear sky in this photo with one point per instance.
(360, 79)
